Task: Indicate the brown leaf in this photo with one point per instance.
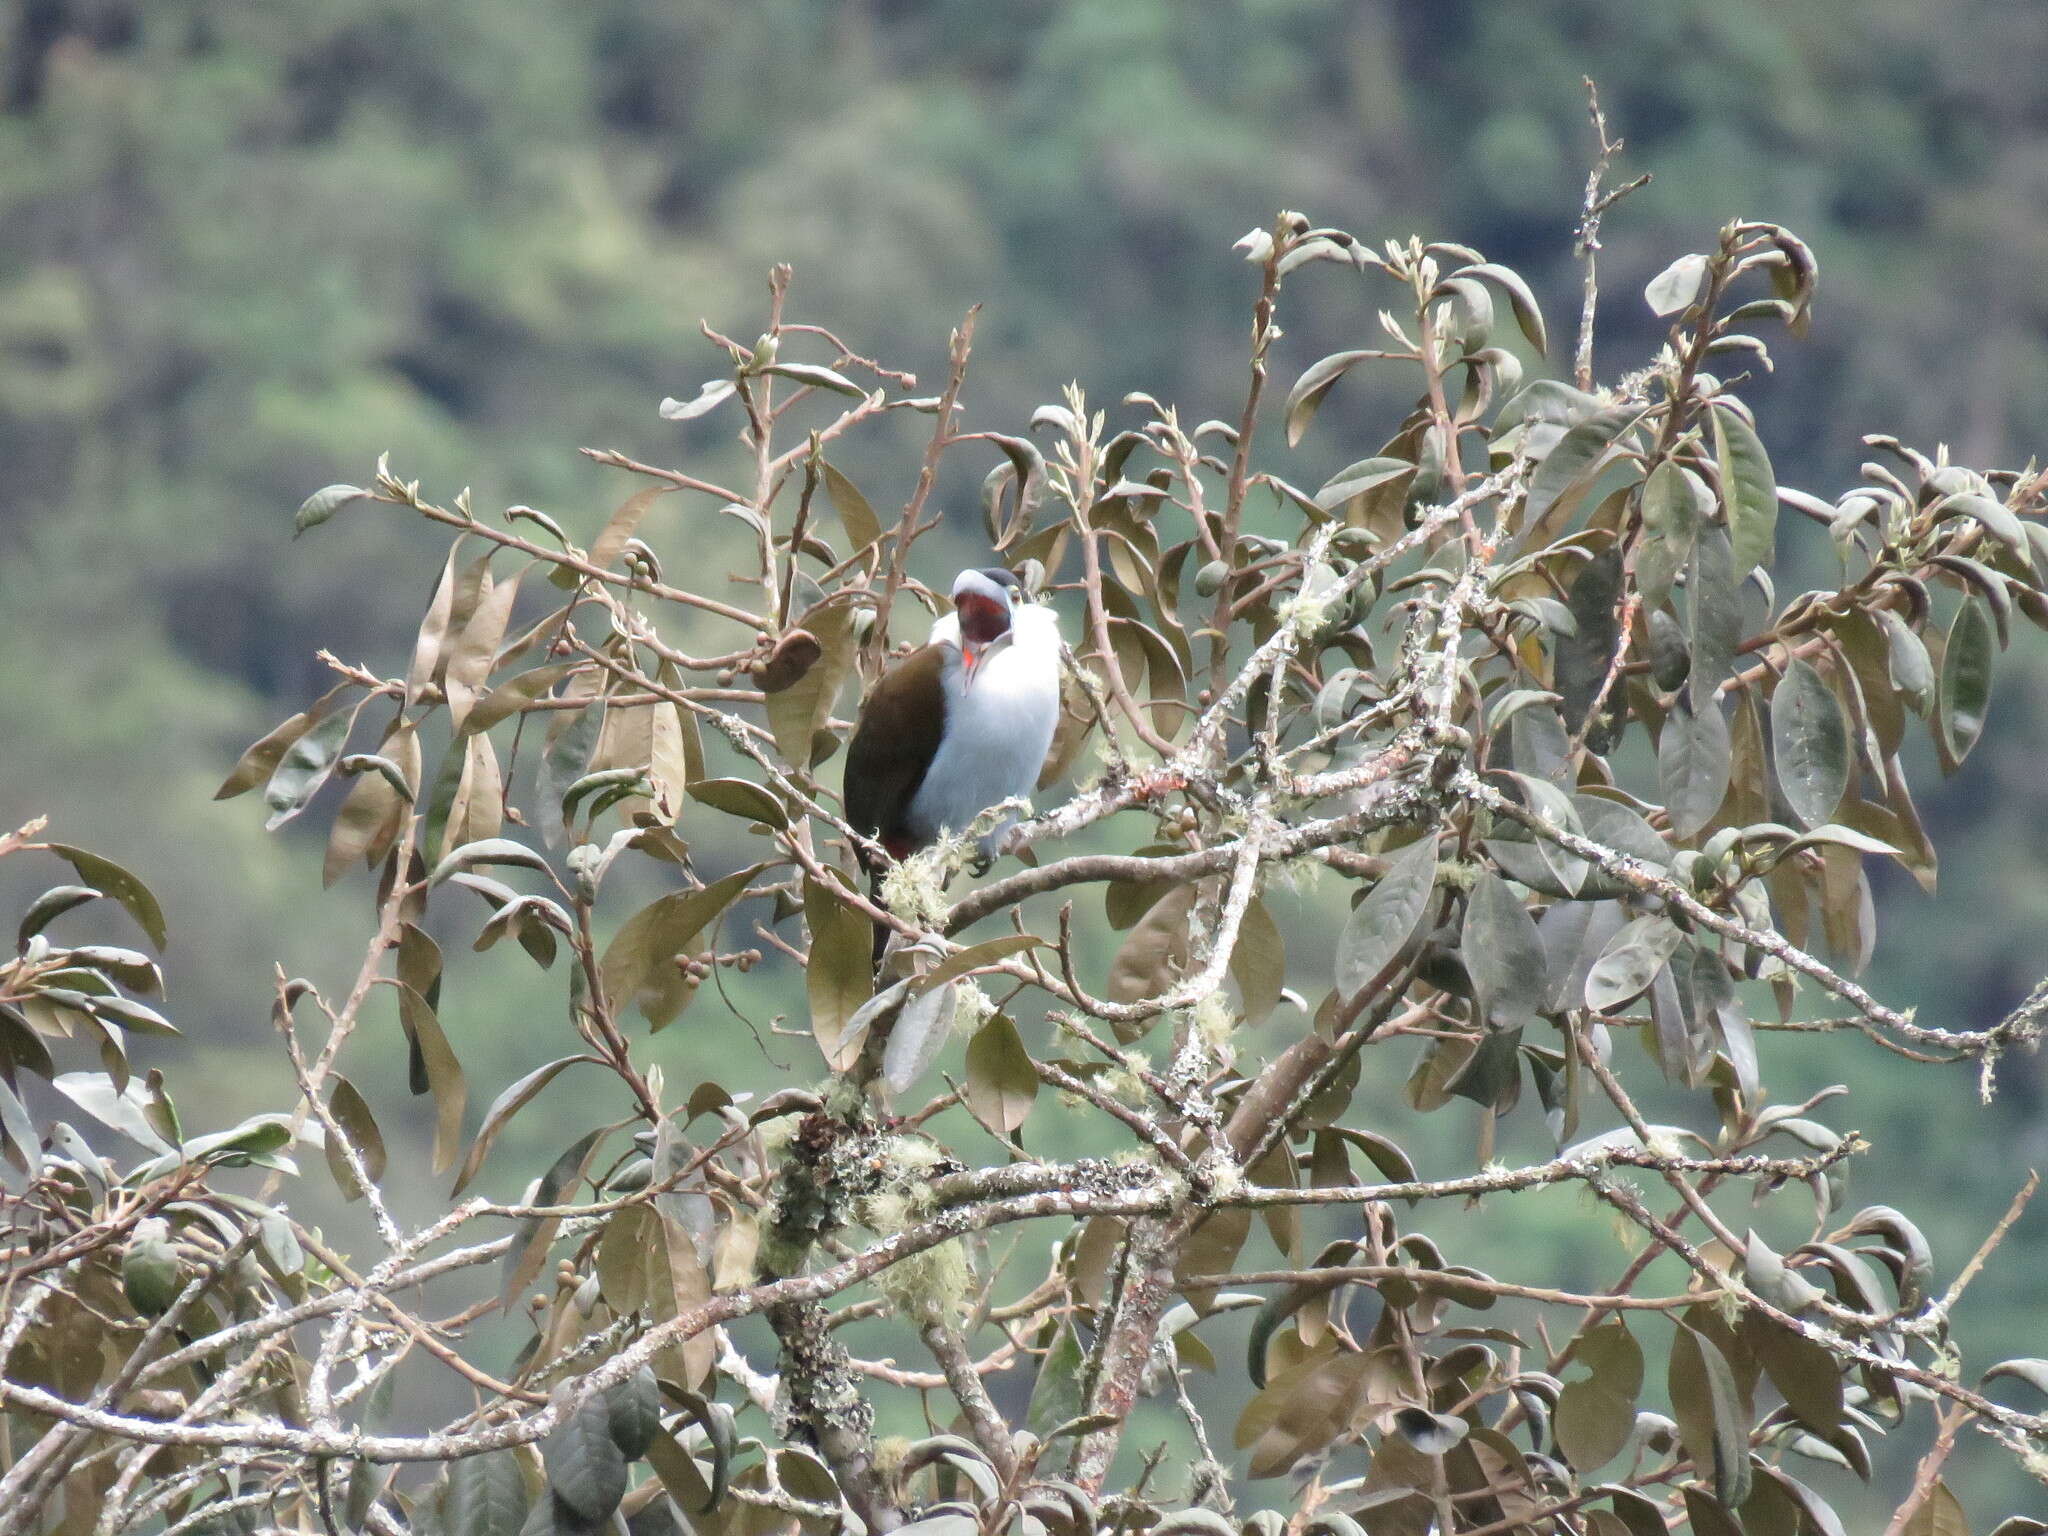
(839, 976)
(1001, 1081)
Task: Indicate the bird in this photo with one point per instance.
(960, 724)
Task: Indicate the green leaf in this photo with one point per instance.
(1911, 670)
(1748, 488)
(1060, 1392)
(2032, 1371)
(797, 713)
(1367, 474)
(530, 1244)
(50, 906)
(839, 976)
(1671, 519)
(1381, 925)
(1528, 316)
(1001, 1081)
(443, 1070)
(503, 1108)
(1258, 963)
(486, 1496)
(1810, 744)
(638, 966)
(305, 766)
(489, 850)
(1693, 759)
(1503, 953)
(1584, 655)
(1307, 394)
(323, 504)
(960, 962)
(923, 1026)
(1713, 616)
(1568, 471)
(633, 1408)
(1806, 1374)
(742, 798)
(1707, 1515)
(111, 879)
(1994, 517)
(352, 1112)
(515, 694)
(584, 1466)
(1596, 1414)
(1964, 693)
(863, 528)
(1712, 1420)
(1630, 962)
(611, 540)
(721, 1438)
(817, 378)
(122, 1109)
(1677, 287)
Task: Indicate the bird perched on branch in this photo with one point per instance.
(962, 724)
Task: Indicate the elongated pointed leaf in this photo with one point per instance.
(1314, 383)
(486, 1496)
(1596, 1414)
(585, 1468)
(710, 395)
(1568, 471)
(443, 1072)
(499, 1115)
(1381, 925)
(352, 1112)
(1528, 316)
(1503, 953)
(1712, 1418)
(839, 977)
(1713, 615)
(1001, 1082)
(1629, 963)
(1810, 743)
(817, 377)
(1748, 488)
(111, 879)
(639, 968)
(1693, 759)
(1964, 693)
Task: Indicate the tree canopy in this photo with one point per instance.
(1502, 761)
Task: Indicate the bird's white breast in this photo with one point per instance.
(999, 724)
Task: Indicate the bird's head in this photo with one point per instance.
(982, 601)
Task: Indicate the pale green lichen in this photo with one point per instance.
(1457, 874)
(1299, 876)
(1123, 1085)
(1214, 1021)
(972, 1008)
(915, 889)
(1307, 611)
(776, 1135)
(934, 1284)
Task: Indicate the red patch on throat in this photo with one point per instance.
(982, 619)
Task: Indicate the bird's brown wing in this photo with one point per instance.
(898, 735)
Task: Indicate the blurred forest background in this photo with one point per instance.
(245, 248)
